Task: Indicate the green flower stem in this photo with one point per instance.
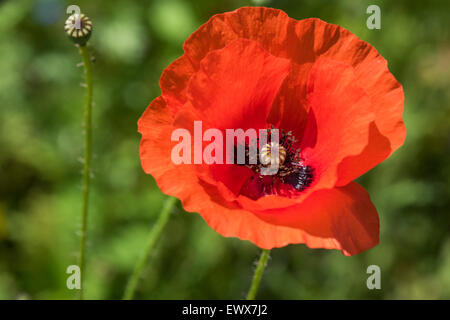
(262, 263)
(84, 51)
(155, 233)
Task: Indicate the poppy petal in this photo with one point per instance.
(231, 221)
(338, 122)
(235, 86)
(155, 149)
(344, 214)
(377, 150)
(155, 125)
(174, 81)
(304, 42)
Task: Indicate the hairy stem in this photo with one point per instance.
(262, 262)
(84, 51)
(155, 233)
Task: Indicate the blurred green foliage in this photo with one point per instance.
(41, 141)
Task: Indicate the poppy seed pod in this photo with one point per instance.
(79, 28)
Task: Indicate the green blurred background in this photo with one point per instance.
(41, 142)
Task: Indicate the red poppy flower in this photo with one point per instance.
(331, 95)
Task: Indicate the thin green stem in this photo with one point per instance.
(155, 233)
(262, 262)
(84, 51)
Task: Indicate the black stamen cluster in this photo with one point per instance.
(292, 172)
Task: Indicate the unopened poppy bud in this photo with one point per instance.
(79, 28)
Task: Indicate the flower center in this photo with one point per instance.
(266, 154)
(292, 177)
